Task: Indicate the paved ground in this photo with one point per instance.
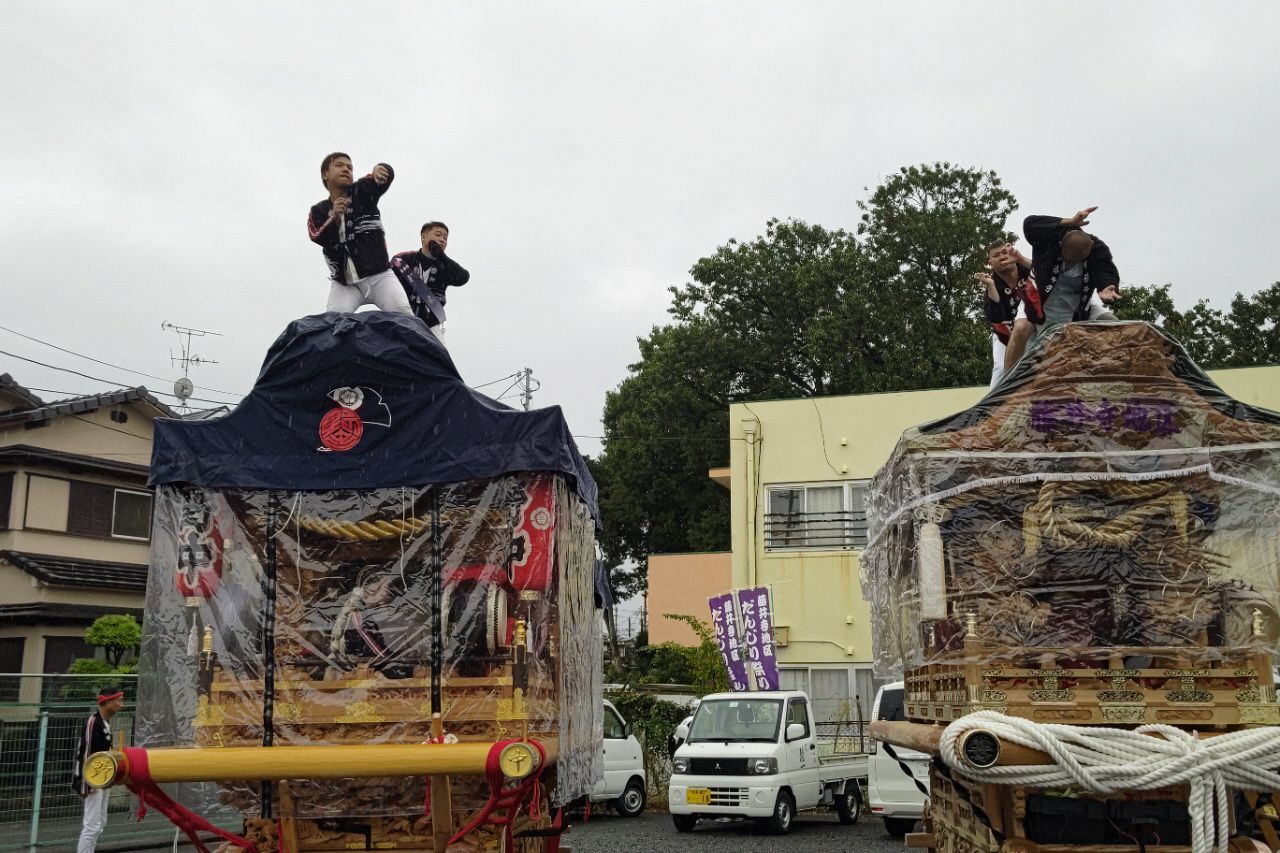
(605, 833)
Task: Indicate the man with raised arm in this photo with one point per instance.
(1070, 266)
(427, 272)
(348, 227)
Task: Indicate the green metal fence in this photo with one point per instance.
(39, 811)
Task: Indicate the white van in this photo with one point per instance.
(624, 780)
(892, 793)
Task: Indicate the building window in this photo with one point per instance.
(836, 697)
(60, 652)
(131, 516)
(105, 512)
(11, 649)
(6, 498)
(824, 515)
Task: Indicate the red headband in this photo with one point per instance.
(107, 697)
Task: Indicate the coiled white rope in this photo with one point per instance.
(1104, 760)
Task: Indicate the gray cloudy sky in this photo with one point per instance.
(162, 156)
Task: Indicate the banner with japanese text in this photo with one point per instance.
(724, 622)
(756, 621)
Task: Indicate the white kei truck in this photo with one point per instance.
(756, 755)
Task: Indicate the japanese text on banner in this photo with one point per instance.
(724, 621)
(757, 636)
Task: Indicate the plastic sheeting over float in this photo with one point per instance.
(1106, 494)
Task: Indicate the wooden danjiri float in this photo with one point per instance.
(370, 620)
(1077, 579)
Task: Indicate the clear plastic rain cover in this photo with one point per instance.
(336, 646)
(1106, 494)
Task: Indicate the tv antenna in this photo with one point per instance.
(183, 387)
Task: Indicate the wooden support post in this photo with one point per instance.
(441, 799)
(288, 824)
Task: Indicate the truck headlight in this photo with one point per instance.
(680, 765)
(762, 766)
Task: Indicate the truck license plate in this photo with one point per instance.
(698, 796)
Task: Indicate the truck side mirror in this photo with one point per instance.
(795, 731)
(627, 731)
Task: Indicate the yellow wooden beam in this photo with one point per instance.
(249, 763)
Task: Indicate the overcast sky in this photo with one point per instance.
(162, 156)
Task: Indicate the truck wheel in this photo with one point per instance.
(784, 812)
(898, 827)
(849, 804)
(631, 802)
(684, 822)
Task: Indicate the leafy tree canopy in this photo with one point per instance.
(116, 634)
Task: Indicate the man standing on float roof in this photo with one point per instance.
(426, 275)
(95, 736)
(348, 227)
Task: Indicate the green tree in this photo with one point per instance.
(665, 426)
(706, 662)
(1253, 328)
(661, 663)
(117, 635)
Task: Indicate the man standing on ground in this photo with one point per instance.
(95, 736)
(1070, 266)
(348, 227)
(426, 273)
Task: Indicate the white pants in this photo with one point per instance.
(95, 820)
(997, 360)
(1098, 309)
(381, 289)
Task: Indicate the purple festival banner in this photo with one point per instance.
(757, 636)
(724, 621)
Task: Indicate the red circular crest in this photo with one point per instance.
(341, 429)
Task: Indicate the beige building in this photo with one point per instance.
(75, 521)
(798, 473)
(682, 583)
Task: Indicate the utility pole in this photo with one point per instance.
(527, 386)
(183, 387)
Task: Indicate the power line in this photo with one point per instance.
(510, 387)
(482, 384)
(105, 363)
(119, 386)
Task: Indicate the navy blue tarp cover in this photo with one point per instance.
(364, 401)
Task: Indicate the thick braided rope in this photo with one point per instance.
(1060, 522)
(368, 531)
(1105, 760)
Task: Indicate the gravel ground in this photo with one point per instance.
(606, 833)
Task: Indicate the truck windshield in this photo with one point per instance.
(736, 720)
